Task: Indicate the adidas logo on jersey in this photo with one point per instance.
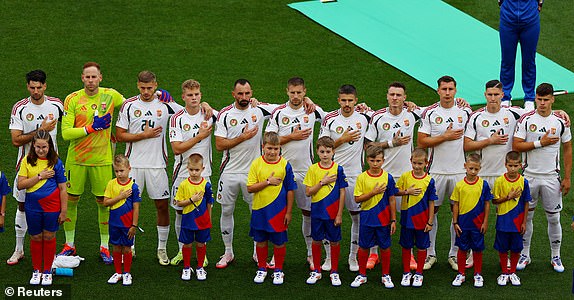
(244, 121)
(397, 125)
(148, 113)
(40, 117)
(296, 121)
(195, 126)
(496, 123)
(542, 129)
(449, 120)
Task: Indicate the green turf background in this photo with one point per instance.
(217, 42)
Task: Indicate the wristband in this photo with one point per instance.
(454, 223)
(390, 144)
(135, 226)
(537, 144)
(39, 177)
(268, 183)
(429, 224)
(393, 221)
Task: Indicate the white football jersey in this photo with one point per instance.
(447, 157)
(134, 115)
(482, 125)
(27, 117)
(544, 160)
(284, 120)
(349, 155)
(183, 127)
(230, 124)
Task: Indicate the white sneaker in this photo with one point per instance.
(502, 280)
(429, 262)
(115, 278)
(458, 280)
(162, 257)
(514, 279)
(557, 264)
(418, 280)
(522, 262)
(335, 279)
(326, 266)
(359, 280)
(386, 280)
(47, 279)
(314, 277)
(478, 281)
(225, 260)
(406, 281)
(127, 279)
(36, 278)
(353, 264)
(260, 276)
(15, 258)
(201, 274)
(453, 262)
(186, 274)
(278, 277)
(310, 262)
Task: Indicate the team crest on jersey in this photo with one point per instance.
(158, 113)
(186, 127)
(285, 121)
(306, 119)
(386, 126)
(51, 116)
(104, 106)
(137, 113)
(460, 119)
(358, 125)
(233, 122)
(339, 130)
(204, 124)
(552, 130)
(406, 121)
(506, 121)
(438, 120)
(172, 133)
(94, 106)
(254, 118)
(532, 127)
(485, 123)
(29, 117)
(219, 196)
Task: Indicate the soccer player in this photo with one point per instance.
(272, 182)
(122, 195)
(511, 195)
(141, 124)
(471, 197)
(195, 196)
(42, 176)
(325, 183)
(347, 128)
(416, 209)
(86, 125)
(375, 190)
(189, 133)
(539, 135)
(441, 131)
(29, 115)
(295, 128)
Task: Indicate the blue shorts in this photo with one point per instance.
(119, 236)
(325, 229)
(277, 238)
(470, 239)
(40, 221)
(409, 236)
(188, 236)
(371, 236)
(508, 241)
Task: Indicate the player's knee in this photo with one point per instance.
(553, 218)
(227, 210)
(47, 235)
(36, 237)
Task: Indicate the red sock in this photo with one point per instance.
(262, 257)
(186, 253)
(503, 262)
(279, 253)
(514, 256)
(49, 250)
(335, 252)
(477, 257)
(363, 256)
(200, 255)
(406, 260)
(117, 261)
(128, 261)
(386, 260)
(36, 251)
(461, 257)
(421, 256)
(316, 251)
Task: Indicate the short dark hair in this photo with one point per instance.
(348, 89)
(146, 77)
(545, 89)
(512, 155)
(397, 84)
(296, 81)
(36, 75)
(495, 83)
(195, 158)
(374, 150)
(241, 81)
(91, 64)
(473, 157)
(446, 79)
(326, 142)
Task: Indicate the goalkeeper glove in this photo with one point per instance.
(100, 123)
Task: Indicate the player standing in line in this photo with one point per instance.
(189, 133)
(43, 177)
(441, 131)
(295, 128)
(122, 195)
(539, 135)
(141, 124)
(272, 182)
(29, 115)
(511, 195)
(347, 128)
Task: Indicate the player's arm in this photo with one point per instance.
(135, 219)
(122, 195)
(412, 190)
(523, 225)
(429, 225)
(484, 225)
(258, 186)
(520, 145)
(63, 202)
(26, 183)
(424, 140)
(290, 198)
(377, 189)
(348, 136)
(455, 211)
(296, 135)
(393, 207)
(3, 211)
(567, 158)
(20, 138)
(194, 198)
(222, 143)
(180, 147)
(339, 217)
